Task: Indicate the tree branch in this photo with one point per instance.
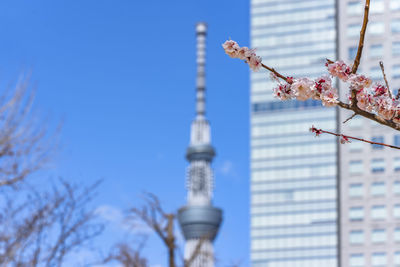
(384, 77)
(362, 37)
(347, 137)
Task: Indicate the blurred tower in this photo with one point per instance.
(199, 220)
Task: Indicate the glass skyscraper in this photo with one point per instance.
(295, 217)
(293, 176)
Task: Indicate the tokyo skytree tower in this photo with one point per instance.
(199, 220)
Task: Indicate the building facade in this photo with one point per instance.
(293, 176)
(370, 174)
(298, 215)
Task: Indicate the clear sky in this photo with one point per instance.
(121, 76)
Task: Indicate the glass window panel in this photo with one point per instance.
(376, 50)
(376, 28)
(396, 258)
(396, 235)
(352, 52)
(356, 190)
(354, 8)
(378, 259)
(378, 236)
(375, 73)
(356, 167)
(395, 25)
(396, 71)
(377, 6)
(378, 188)
(396, 187)
(396, 140)
(395, 4)
(356, 260)
(396, 48)
(356, 213)
(396, 211)
(378, 212)
(353, 30)
(357, 237)
(355, 146)
(378, 165)
(377, 139)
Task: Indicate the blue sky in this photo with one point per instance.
(121, 76)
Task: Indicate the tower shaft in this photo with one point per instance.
(199, 220)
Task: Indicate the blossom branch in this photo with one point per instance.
(357, 59)
(277, 74)
(384, 77)
(349, 118)
(362, 37)
(346, 138)
(374, 102)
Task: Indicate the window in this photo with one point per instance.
(375, 73)
(377, 139)
(395, 4)
(356, 213)
(378, 259)
(375, 50)
(396, 187)
(357, 237)
(396, 258)
(397, 140)
(376, 28)
(356, 167)
(378, 212)
(378, 236)
(356, 190)
(396, 71)
(395, 25)
(378, 189)
(396, 211)
(357, 260)
(396, 48)
(377, 6)
(354, 8)
(378, 165)
(353, 30)
(396, 236)
(352, 52)
(355, 146)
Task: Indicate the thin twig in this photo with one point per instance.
(362, 36)
(346, 137)
(349, 118)
(384, 77)
(276, 73)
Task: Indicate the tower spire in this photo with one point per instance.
(199, 219)
(201, 33)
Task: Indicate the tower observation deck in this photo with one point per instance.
(199, 219)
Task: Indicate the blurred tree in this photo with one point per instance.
(41, 222)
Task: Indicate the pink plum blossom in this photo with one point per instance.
(254, 62)
(385, 108)
(339, 69)
(248, 55)
(231, 48)
(330, 97)
(359, 81)
(380, 90)
(283, 91)
(302, 88)
(242, 53)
